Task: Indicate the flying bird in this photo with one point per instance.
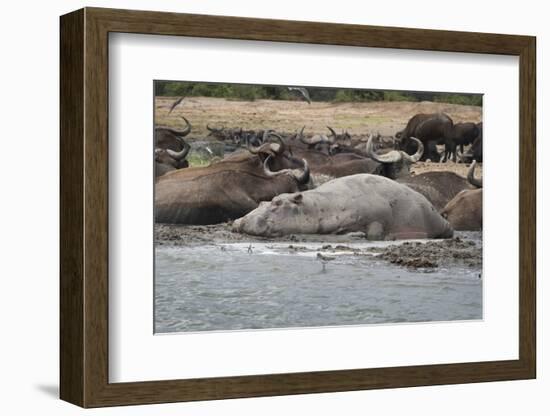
(302, 91)
(175, 104)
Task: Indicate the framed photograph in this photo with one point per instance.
(256, 207)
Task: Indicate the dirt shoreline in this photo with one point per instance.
(463, 249)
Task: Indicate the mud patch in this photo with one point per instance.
(173, 234)
(434, 254)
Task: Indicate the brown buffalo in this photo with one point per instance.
(438, 187)
(465, 211)
(229, 189)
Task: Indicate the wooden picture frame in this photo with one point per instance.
(84, 207)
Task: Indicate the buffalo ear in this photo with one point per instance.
(298, 198)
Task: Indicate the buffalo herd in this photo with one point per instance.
(272, 183)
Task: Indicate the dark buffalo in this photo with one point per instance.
(392, 164)
(476, 150)
(344, 137)
(465, 211)
(170, 148)
(167, 160)
(462, 134)
(430, 129)
(237, 136)
(381, 144)
(229, 189)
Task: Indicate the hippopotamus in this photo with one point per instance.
(380, 207)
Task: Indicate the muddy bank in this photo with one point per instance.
(182, 235)
(465, 249)
(435, 253)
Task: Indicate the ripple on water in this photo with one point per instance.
(203, 288)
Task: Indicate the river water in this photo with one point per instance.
(269, 285)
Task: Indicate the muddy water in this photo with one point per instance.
(252, 285)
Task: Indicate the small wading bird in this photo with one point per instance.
(302, 91)
(324, 260)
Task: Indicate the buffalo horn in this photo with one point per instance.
(419, 151)
(301, 178)
(476, 182)
(391, 157)
(179, 133)
(213, 130)
(332, 132)
(181, 154)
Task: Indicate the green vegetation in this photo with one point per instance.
(340, 95)
(464, 99)
(197, 160)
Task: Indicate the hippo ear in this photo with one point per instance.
(297, 198)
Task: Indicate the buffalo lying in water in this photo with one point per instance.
(465, 211)
(380, 207)
(230, 188)
(171, 149)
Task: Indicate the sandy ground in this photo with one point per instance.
(356, 118)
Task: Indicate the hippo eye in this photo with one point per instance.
(278, 202)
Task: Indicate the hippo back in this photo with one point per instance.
(380, 207)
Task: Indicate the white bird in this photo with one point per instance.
(302, 91)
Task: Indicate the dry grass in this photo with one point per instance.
(288, 116)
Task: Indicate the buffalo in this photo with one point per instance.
(392, 164)
(171, 149)
(465, 211)
(430, 129)
(344, 137)
(438, 187)
(381, 208)
(229, 188)
(462, 134)
(476, 150)
(236, 136)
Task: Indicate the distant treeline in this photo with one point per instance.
(256, 92)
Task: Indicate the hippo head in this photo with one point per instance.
(285, 214)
